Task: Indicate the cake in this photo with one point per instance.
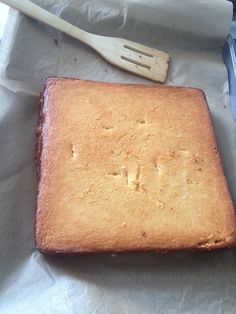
(125, 167)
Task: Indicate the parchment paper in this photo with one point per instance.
(193, 32)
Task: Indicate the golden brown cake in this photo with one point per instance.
(128, 167)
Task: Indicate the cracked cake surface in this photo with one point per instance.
(126, 167)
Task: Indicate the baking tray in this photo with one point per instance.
(183, 282)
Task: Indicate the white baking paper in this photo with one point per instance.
(193, 32)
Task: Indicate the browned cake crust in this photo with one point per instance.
(124, 167)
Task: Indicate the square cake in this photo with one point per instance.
(126, 167)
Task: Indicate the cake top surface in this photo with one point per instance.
(129, 167)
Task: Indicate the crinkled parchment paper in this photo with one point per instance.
(193, 32)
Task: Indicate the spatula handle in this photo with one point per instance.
(29, 8)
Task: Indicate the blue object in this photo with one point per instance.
(229, 57)
(234, 4)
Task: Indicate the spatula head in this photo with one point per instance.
(136, 58)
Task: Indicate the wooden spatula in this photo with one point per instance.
(128, 55)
